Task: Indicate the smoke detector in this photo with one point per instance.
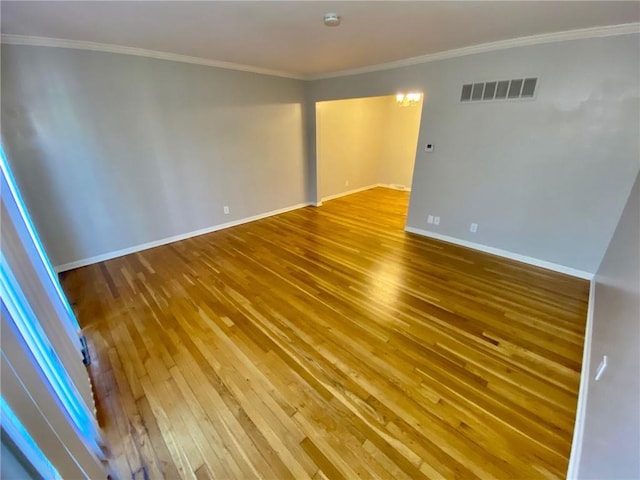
(331, 19)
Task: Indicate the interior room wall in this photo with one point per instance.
(112, 151)
(400, 128)
(365, 142)
(348, 144)
(543, 178)
(546, 178)
(611, 435)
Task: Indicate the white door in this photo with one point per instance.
(44, 381)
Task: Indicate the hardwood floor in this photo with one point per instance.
(328, 343)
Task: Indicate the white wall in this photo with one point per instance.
(365, 141)
(611, 435)
(113, 151)
(546, 178)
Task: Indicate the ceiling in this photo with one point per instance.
(290, 37)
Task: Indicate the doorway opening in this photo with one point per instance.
(364, 143)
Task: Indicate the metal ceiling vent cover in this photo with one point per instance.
(519, 88)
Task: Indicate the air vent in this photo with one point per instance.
(529, 88)
(499, 90)
(466, 93)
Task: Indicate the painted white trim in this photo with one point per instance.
(395, 186)
(163, 241)
(583, 33)
(348, 192)
(573, 471)
(29, 40)
(503, 253)
(356, 190)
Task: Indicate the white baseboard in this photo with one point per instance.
(348, 192)
(356, 190)
(504, 253)
(578, 429)
(395, 186)
(156, 243)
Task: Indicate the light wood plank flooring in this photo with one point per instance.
(328, 343)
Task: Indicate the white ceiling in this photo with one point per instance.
(290, 36)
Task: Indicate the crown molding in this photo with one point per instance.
(11, 39)
(583, 33)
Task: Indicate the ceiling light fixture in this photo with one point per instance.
(408, 100)
(331, 19)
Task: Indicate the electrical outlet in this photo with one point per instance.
(346, 183)
(430, 219)
(436, 220)
(473, 228)
(226, 210)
